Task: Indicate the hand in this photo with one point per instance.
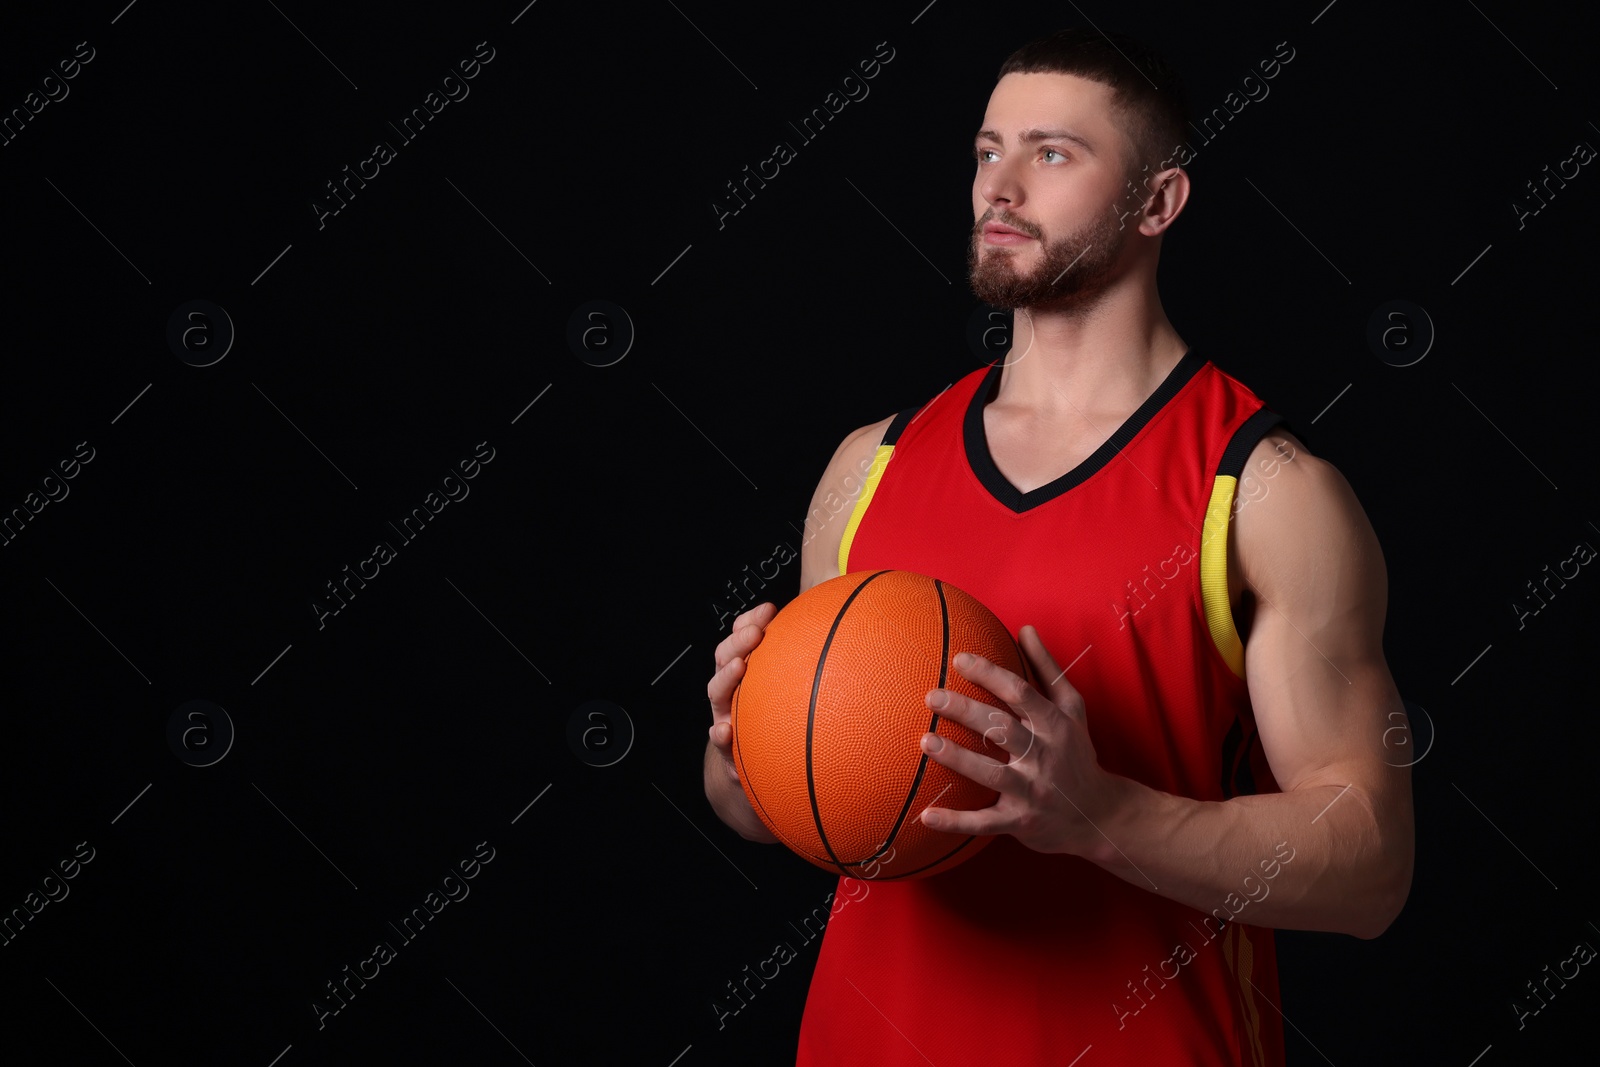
(1054, 795)
(727, 796)
(748, 630)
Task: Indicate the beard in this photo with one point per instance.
(1072, 277)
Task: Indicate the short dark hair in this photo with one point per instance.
(1145, 89)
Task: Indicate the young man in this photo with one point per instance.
(1214, 767)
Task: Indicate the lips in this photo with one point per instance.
(998, 228)
(999, 235)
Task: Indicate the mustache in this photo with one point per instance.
(1005, 218)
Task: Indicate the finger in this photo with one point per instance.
(983, 821)
(1030, 705)
(1008, 685)
(737, 643)
(757, 616)
(722, 741)
(1000, 729)
(761, 614)
(720, 688)
(748, 629)
(1051, 678)
(989, 773)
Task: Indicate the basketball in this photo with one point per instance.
(828, 720)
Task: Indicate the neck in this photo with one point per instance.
(1109, 356)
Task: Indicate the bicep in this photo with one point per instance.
(1319, 685)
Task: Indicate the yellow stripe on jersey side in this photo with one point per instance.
(1242, 961)
(879, 459)
(1214, 574)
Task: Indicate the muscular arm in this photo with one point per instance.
(1323, 698)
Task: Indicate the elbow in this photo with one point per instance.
(1388, 899)
(1391, 851)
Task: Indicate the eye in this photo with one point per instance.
(1053, 152)
(979, 153)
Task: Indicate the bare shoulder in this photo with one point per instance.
(834, 500)
(1301, 532)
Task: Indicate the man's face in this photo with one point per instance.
(1051, 164)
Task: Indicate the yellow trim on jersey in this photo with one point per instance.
(1214, 574)
(1241, 963)
(879, 459)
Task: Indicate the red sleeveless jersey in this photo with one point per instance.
(1018, 957)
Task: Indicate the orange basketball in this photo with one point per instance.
(828, 720)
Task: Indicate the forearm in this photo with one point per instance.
(1314, 858)
(728, 799)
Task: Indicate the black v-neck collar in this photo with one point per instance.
(982, 462)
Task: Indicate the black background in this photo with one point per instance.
(375, 352)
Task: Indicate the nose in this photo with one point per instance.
(1001, 184)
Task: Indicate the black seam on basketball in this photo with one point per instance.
(933, 724)
(811, 718)
(913, 873)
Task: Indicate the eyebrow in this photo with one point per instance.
(1029, 136)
